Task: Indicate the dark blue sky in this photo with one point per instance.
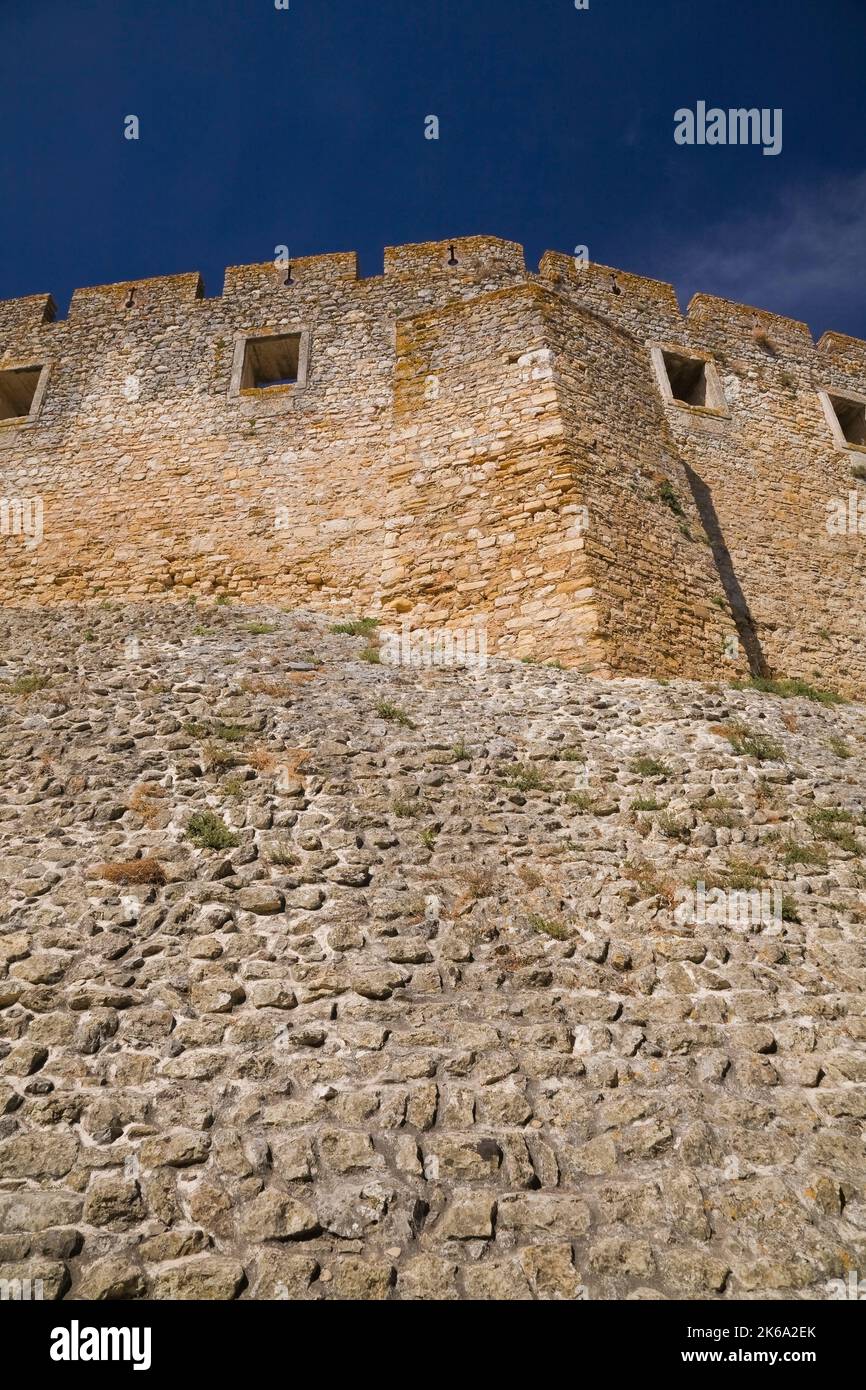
(306, 127)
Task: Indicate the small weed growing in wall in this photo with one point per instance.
(480, 881)
(386, 710)
(840, 747)
(407, 809)
(358, 627)
(742, 875)
(650, 767)
(795, 853)
(207, 830)
(229, 733)
(283, 854)
(25, 685)
(261, 629)
(371, 654)
(549, 926)
(460, 753)
(834, 824)
(668, 495)
(747, 742)
(524, 777)
(234, 787)
(131, 871)
(217, 757)
(858, 470)
(146, 800)
(674, 829)
(646, 803)
(789, 688)
(428, 838)
(649, 882)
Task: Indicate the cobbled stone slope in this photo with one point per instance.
(423, 1023)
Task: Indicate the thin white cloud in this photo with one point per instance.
(804, 257)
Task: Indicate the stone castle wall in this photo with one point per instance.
(471, 440)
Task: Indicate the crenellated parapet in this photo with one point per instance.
(101, 303)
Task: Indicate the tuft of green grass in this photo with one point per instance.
(235, 787)
(794, 853)
(26, 685)
(747, 742)
(674, 829)
(217, 757)
(584, 801)
(229, 733)
(460, 753)
(646, 803)
(650, 767)
(428, 838)
(742, 874)
(833, 824)
(282, 853)
(549, 926)
(524, 777)
(668, 495)
(359, 627)
(394, 714)
(405, 809)
(207, 830)
(829, 815)
(371, 654)
(790, 687)
(845, 839)
(261, 629)
(840, 747)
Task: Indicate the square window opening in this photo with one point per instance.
(17, 391)
(687, 377)
(271, 362)
(852, 419)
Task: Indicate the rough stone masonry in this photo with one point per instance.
(322, 979)
(605, 481)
